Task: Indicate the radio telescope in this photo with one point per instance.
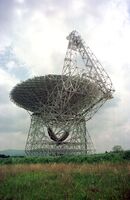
(60, 105)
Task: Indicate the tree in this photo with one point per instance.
(117, 148)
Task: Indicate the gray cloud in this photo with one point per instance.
(4, 93)
(6, 13)
(12, 121)
(7, 19)
(37, 30)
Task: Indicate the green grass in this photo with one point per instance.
(97, 158)
(65, 182)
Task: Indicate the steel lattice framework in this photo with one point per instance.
(60, 105)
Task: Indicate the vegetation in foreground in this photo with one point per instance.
(113, 157)
(104, 181)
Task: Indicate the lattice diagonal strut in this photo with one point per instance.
(60, 105)
(99, 86)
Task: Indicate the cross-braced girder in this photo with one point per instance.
(40, 142)
(60, 105)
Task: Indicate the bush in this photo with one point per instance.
(117, 148)
(7, 161)
(126, 155)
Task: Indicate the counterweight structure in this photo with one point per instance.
(60, 105)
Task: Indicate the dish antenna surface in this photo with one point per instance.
(60, 105)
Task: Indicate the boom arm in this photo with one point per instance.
(92, 67)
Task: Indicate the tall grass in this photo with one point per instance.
(6, 170)
(104, 181)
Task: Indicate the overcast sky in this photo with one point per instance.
(33, 42)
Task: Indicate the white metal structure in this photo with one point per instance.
(60, 105)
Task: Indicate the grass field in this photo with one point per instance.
(101, 181)
(112, 157)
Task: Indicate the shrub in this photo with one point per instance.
(126, 155)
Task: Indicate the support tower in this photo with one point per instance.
(60, 105)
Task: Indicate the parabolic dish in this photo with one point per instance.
(60, 105)
(45, 94)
